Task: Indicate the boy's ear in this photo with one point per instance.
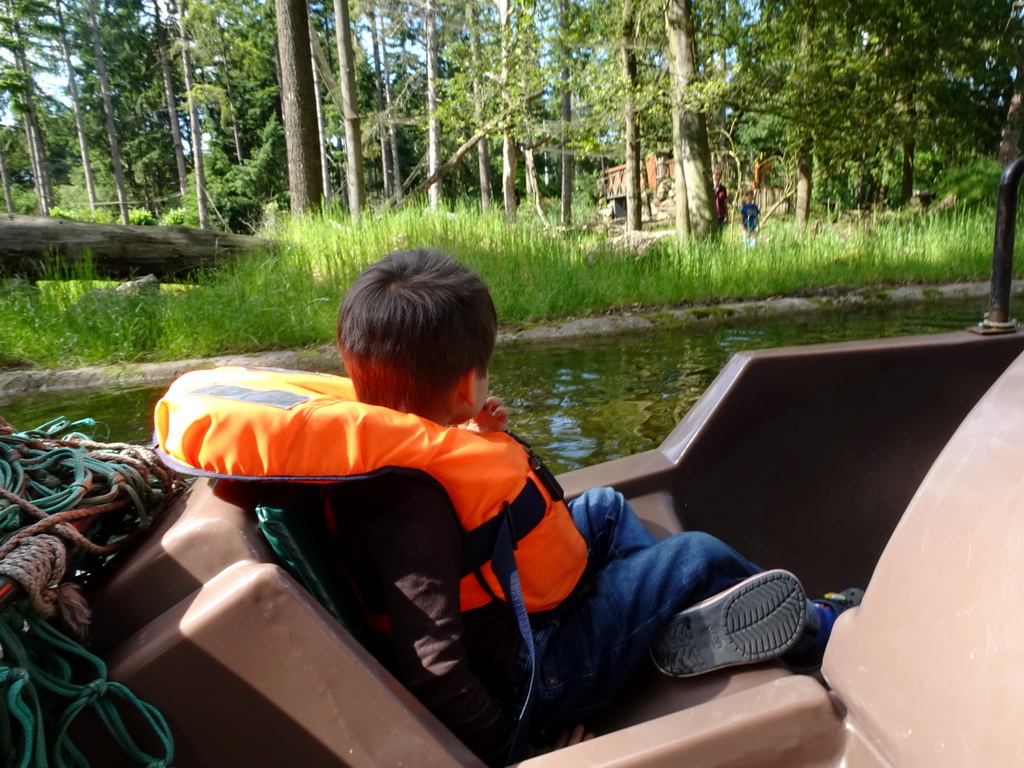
(466, 389)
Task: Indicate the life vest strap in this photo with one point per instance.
(523, 514)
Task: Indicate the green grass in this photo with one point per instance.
(289, 299)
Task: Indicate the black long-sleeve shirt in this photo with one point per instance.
(400, 540)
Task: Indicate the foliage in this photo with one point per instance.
(868, 85)
(141, 216)
(289, 299)
(174, 217)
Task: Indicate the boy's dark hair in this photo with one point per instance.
(411, 325)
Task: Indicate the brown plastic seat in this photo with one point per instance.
(209, 528)
(250, 670)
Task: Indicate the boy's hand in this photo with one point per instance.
(566, 738)
(493, 417)
(577, 735)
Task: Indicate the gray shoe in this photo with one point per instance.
(756, 620)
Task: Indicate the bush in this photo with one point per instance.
(175, 217)
(59, 212)
(974, 184)
(102, 215)
(141, 217)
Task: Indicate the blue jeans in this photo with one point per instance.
(589, 647)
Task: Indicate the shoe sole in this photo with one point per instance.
(756, 620)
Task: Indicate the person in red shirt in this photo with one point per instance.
(721, 199)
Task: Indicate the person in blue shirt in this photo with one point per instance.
(750, 213)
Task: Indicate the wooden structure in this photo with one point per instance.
(656, 170)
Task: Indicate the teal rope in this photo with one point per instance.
(41, 476)
(47, 680)
(40, 664)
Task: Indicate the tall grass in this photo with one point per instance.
(289, 298)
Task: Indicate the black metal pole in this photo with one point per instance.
(998, 316)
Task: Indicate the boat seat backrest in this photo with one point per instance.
(931, 665)
(291, 521)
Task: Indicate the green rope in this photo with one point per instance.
(55, 481)
(41, 665)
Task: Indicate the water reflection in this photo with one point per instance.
(598, 400)
(580, 404)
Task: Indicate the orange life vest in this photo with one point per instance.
(265, 424)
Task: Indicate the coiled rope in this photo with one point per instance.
(67, 503)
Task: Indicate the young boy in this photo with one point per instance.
(751, 214)
(416, 332)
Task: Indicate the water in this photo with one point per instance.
(577, 404)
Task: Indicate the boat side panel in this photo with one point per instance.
(810, 456)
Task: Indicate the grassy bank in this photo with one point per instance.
(289, 299)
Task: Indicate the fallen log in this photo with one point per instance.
(31, 246)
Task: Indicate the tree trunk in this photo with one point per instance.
(325, 168)
(567, 156)
(396, 168)
(33, 159)
(805, 157)
(907, 187)
(483, 160)
(108, 111)
(30, 244)
(634, 211)
(83, 144)
(532, 186)
(298, 104)
(378, 87)
(1009, 144)
(509, 150)
(683, 228)
(195, 129)
(171, 98)
(692, 150)
(433, 121)
(231, 100)
(5, 178)
(804, 174)
(350, 111)
(33, 133)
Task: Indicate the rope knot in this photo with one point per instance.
(37, 563)
(17, 674)
(95, 690)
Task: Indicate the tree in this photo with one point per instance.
(350, 110)
(382, 113)
(482, 149)
(509, 150)
(171, 98)
(565, 20)
(298, 102)
(108, 112)
(83, 142)
(5, 176)
(20, 19)
(1009, 145)
(433, 121)
(695, 206)
(194, 125)
(634, 212)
